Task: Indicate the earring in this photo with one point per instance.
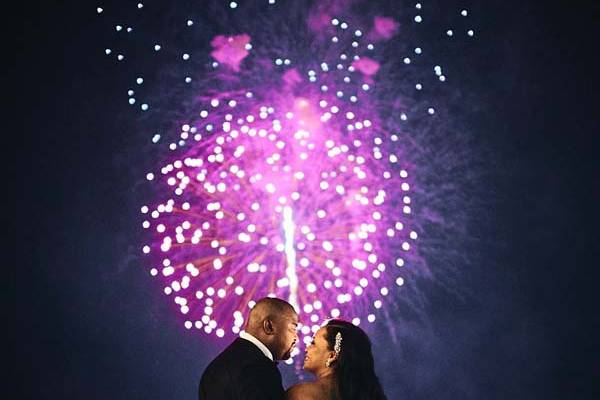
(328, 363)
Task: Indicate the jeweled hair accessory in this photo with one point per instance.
(338, 343)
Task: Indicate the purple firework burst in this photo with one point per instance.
(288, 176)
(287, 196)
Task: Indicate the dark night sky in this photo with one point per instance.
(89, 323)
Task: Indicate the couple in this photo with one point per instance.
(339, 356)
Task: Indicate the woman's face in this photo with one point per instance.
(317, 352)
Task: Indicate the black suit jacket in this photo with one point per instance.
(241, 372)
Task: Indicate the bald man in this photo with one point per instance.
(247, 368)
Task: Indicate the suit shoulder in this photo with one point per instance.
(242, 349)
(232, 352)
(241, 360)
(222, 361)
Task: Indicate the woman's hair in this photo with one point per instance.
(354, 369)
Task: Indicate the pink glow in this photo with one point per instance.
(230, 50)
(384, 28)
(318, 22)
(291, 77)
(367, 66)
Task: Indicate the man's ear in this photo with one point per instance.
(268, 327)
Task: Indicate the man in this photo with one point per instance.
(247, 369)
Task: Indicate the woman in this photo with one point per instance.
(340, 357)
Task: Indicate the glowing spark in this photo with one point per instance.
(290, 254)
(291, 174)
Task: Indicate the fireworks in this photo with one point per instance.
(285, 179)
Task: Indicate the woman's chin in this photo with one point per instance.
(306, 366)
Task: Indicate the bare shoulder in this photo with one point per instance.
(303, 391)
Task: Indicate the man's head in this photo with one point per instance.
(274, 322)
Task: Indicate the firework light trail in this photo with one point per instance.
(289, 228)
(290, 173)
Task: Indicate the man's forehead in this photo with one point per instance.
(288, 317)
(292, 317)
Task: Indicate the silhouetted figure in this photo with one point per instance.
(341, 359)
(247, 368)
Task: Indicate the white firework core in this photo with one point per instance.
(290, 255)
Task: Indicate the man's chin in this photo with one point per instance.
(288, 354)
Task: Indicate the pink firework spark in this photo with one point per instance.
(277, 193)
(291, 173)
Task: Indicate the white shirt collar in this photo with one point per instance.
(257, 343)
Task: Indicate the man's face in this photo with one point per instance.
(286, 335)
